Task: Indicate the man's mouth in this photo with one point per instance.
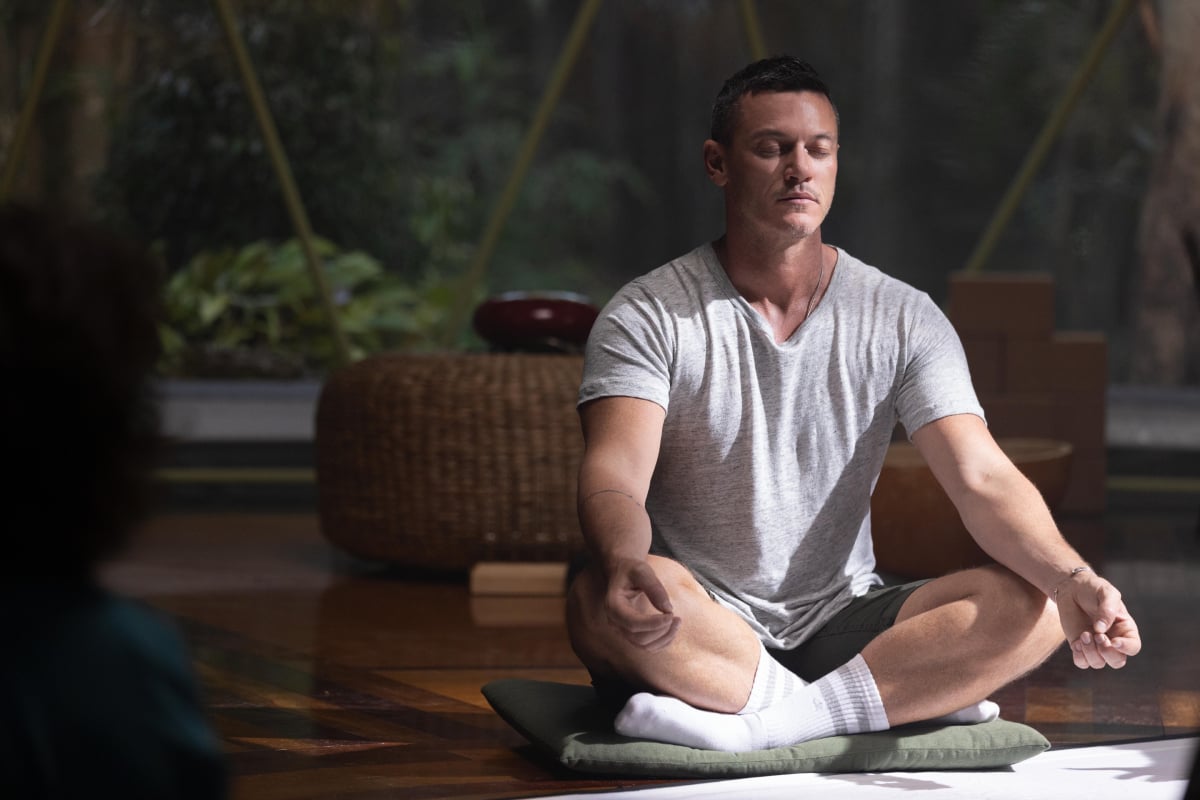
(798, 196)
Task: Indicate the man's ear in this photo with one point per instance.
(714, 162)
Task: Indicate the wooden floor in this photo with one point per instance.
(327, 678)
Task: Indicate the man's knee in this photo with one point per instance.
(1025, 598)
(1028, 609)
(585, 615)
(594, 638)
(585, 598)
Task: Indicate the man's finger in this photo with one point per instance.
(1091, 654)
(1130, 647)
(1107, 608)
(1125, 631)
(666, 638)
(658, 639)
(1077, 655)
(640, 623)
(1114, 658)
(656, 593)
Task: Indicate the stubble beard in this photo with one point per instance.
(795, 233)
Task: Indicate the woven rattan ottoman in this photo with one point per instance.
(441, 461)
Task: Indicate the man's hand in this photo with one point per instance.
(638, 605)
(1099, 629)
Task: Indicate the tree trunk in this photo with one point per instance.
(1167, 316)
(96, 57)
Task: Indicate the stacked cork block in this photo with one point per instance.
(1032, 380)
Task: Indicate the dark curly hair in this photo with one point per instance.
(79, 313)
(775, 74)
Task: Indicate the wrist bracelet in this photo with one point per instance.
(1072, 574)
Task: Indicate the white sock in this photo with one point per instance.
(983, 711)
(844, 701)
(773, 683)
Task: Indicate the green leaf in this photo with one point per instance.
(351, 270)
(211, 307)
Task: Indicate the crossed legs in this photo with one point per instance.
(959, 638)
(955, 640)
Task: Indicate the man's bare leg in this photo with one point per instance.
(710, 664)
(968, 634)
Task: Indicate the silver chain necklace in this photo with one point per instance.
(813, 298)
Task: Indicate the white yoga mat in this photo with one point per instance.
(1151, 770)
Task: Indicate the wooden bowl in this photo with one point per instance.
(917, 530)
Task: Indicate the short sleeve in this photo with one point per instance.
(936, 381)
(629, 351)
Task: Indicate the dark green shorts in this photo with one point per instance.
(841, 639)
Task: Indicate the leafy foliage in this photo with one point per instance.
(251, 311)
(400, 127)
(187, 166)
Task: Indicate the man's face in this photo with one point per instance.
(780, 167)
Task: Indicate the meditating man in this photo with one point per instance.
(737, 404)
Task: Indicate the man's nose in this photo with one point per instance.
(797, 166)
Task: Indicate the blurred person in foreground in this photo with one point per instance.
(97, 695)
(737, 404)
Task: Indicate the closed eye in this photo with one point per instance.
(772, 149)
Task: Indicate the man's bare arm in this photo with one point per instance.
(622, 437)
(1007, 516)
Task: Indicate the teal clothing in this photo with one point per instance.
(98, 699)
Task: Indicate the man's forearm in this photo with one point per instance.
(1010, 521)
(614, 523)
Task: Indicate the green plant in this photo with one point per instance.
(400, 123)
(252, 311)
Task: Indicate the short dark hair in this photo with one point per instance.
(774, 74)
(79, 314)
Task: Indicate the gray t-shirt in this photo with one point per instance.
(770, 451)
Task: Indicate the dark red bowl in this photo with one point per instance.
(535, 321)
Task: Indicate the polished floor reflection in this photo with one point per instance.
(330, 678)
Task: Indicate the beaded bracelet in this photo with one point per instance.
(1074, 572)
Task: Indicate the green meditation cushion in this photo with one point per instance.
(567, 721)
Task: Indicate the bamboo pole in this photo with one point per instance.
(1046, 138)
(476, 271)
(37, 85)
(283, 173)
(753, 30)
